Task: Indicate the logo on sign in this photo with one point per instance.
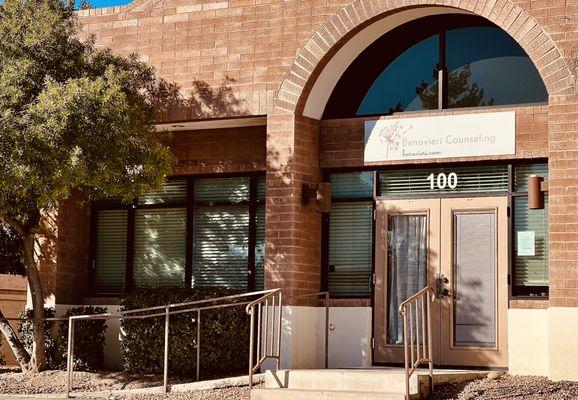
(440, 137)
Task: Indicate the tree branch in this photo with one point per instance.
(14, 224)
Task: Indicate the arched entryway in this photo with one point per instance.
(294, 129)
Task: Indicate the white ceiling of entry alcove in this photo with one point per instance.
(323, 86)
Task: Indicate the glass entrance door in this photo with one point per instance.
(474, 261)
(458, 247)
(407, 259)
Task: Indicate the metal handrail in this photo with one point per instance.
(170, 309)
(420, 350)
(265, 348)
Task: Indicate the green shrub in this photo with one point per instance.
(89, 339)
(224, 335)
(53, 358)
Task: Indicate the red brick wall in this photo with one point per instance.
(342, 141)
(220, 150)
(12, 303)
(293, 247)
(249, 57)
(255, 42)
(563, 197)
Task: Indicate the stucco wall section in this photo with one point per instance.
(528, 348)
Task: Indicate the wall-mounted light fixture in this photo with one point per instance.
(536, 189)
(321, 192)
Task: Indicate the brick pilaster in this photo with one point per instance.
(293, 230)
(563, 197)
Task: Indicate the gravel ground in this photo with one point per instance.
(55, 382)
(507, 387)
(232, 393)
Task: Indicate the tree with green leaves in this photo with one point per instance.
(73, 117)
(461, 93)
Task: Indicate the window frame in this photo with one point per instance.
(190, 205)
(338, 108)
(516, 291)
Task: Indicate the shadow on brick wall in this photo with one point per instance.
(201, 102)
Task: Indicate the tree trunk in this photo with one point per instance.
(20, 353)
(38, 359)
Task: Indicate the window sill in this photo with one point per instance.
(529, 302)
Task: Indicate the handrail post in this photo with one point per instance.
(426, 294)
(280, 326)
(70, 357)
(198, 345)
(326, 330)
(251, 337)
(166, 353)
(405, 352)
(429, 342)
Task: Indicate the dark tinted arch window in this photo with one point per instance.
(480, 63)
(487, 67)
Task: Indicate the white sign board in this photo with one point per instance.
(466, 135)
(526, 243)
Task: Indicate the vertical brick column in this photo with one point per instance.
(292, 229)
(563, 197)
(63, 252)
(563, 227)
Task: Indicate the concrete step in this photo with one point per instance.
(367, 380)
(307, 394)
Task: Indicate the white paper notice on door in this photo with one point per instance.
(526, 243)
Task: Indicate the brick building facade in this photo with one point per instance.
(258, 76)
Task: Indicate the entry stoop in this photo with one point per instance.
(340, 384)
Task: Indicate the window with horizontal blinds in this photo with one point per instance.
(523, 171)
(261, 187)
(173, 191)
(221, 243)
(350, 243)
(222, 190)
(531, 269)
(260, 248)
(110, 257)
(469, 179)
(352, 185)
(220, 235)
(159, 247)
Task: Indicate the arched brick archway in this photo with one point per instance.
(349, 20)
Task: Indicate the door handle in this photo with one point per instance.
(442, 291)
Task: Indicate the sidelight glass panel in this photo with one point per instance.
(531, 244)
(523, 172)
(159, 247)
(475, 279)
(406, 266)
(110, 251)
(350, 256)
(260, 248)
(352, 185)
(221, 243)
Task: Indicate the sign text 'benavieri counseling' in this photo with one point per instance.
(467, 135)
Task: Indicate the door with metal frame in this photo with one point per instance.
(406, 260)
(474, 263)
(458, 247)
